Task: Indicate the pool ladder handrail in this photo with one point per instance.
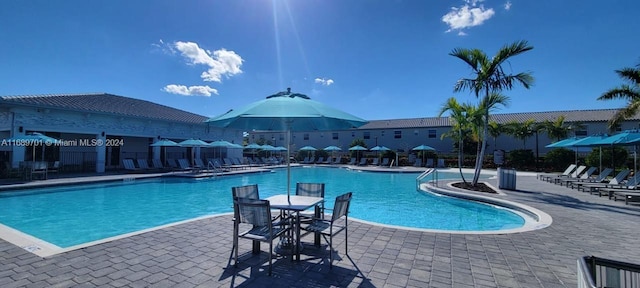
(433, 172)
(212, 167)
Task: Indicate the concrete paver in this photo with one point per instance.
(196, 254)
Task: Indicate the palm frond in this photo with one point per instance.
(466, 55)
(630, 74)
(624, 92)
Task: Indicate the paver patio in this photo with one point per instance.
(196, 254)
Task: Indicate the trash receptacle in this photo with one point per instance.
(507, 178)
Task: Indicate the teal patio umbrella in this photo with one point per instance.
(221, 144)
(164, 143)
(193, 143)
(32, 139)
(309, 149)
(358, 148)
(423, 148)
(333, 149)
(287, 111)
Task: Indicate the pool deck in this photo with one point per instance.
(196, 253)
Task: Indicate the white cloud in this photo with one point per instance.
(220, 62)
(507, 6)
(469, 15)
(190, 91)
(323, 81)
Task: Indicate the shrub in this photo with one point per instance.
(522, 159)
(621, 155)
(558, 159)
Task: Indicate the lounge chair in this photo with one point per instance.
(157, 164)
(54, 168)
(418, 163)
(327, 161)
(429, 163)
(37, 168)
(584, 176)
(129, 166)
(598, 179)
(615, 182)
(336, 161)
(628, 185)
(385, 162)
(363, 161)
(375, 162)
(305, 160)
(440, 163)
(320, 160)
(628, 196)
(352, 161)
(143, 164)
(312, 160)
(566, 173)
(183, 164)
(331, 227)
(574, 174)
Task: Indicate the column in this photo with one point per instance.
(101, 152)
(17, 152)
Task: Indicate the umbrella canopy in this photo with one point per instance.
(253, 146)
(33, 139)
(563, 143)
(358, 148)
(308, 148)
(332, 148)
(222, 144)
(623, 138)
(380, 148)
(193, 143)
(280, 148)
(286, 111)
(423, 148)
(267, 147)
(164, 142)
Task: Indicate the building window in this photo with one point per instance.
(353, 134)
(432, 134)
(281, 137)
(366, 135)
(415, 132)
(397, 134)
(306, 136)
(334, 136)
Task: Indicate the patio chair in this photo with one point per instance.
(258, 214)
(320, 160)
(129, 166)
(375, 162)
(566, 172)
(584, 176)
(418, 163)
(440, 163)
(598, 179)
(385, 162)
(331, 227)
(157, 164)
(616, 181)
(313, 190)
(363, 162)
(429, 163)
(183, 164)
(54, 168)
(352, 162)
(143, 164)
(573, 174)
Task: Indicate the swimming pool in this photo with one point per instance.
(70, 215)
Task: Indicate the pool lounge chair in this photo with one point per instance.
(598, 179)
(320, 160)
(129, 166)
(363, 162)
(375, 162)
(584, 176)
(352, 161)
(157, 164)
(627, 196)
(385, 162)
(615, 182)
(628, 185)
(566, 173)
(574, 174)
(429, 163)
(183, 165)
(418, 163)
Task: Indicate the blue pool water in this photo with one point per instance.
(71, 215)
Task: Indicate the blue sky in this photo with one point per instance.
(375, 59)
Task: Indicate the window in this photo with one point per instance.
(432, 134)
(366, 135)
(334, 135)
(397, 134)
(353, 134)
(580, 133)
(281, 137)
(306, 136)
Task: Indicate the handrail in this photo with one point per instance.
(429, 172)
(212, 167)
(599, 272)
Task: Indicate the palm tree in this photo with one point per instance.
(522, 130)
(629, 92)
(490, 77)
(556, 129)
(458, 114)
(495, 130)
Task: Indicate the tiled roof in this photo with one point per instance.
(106, 103)
(601, 115)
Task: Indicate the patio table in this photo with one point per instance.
(295, 203)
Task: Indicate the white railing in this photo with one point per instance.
(429, 172)
(212, 167)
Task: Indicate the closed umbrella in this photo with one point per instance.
(286, 111)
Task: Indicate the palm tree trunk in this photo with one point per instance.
(461, 155)
(481, 149)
